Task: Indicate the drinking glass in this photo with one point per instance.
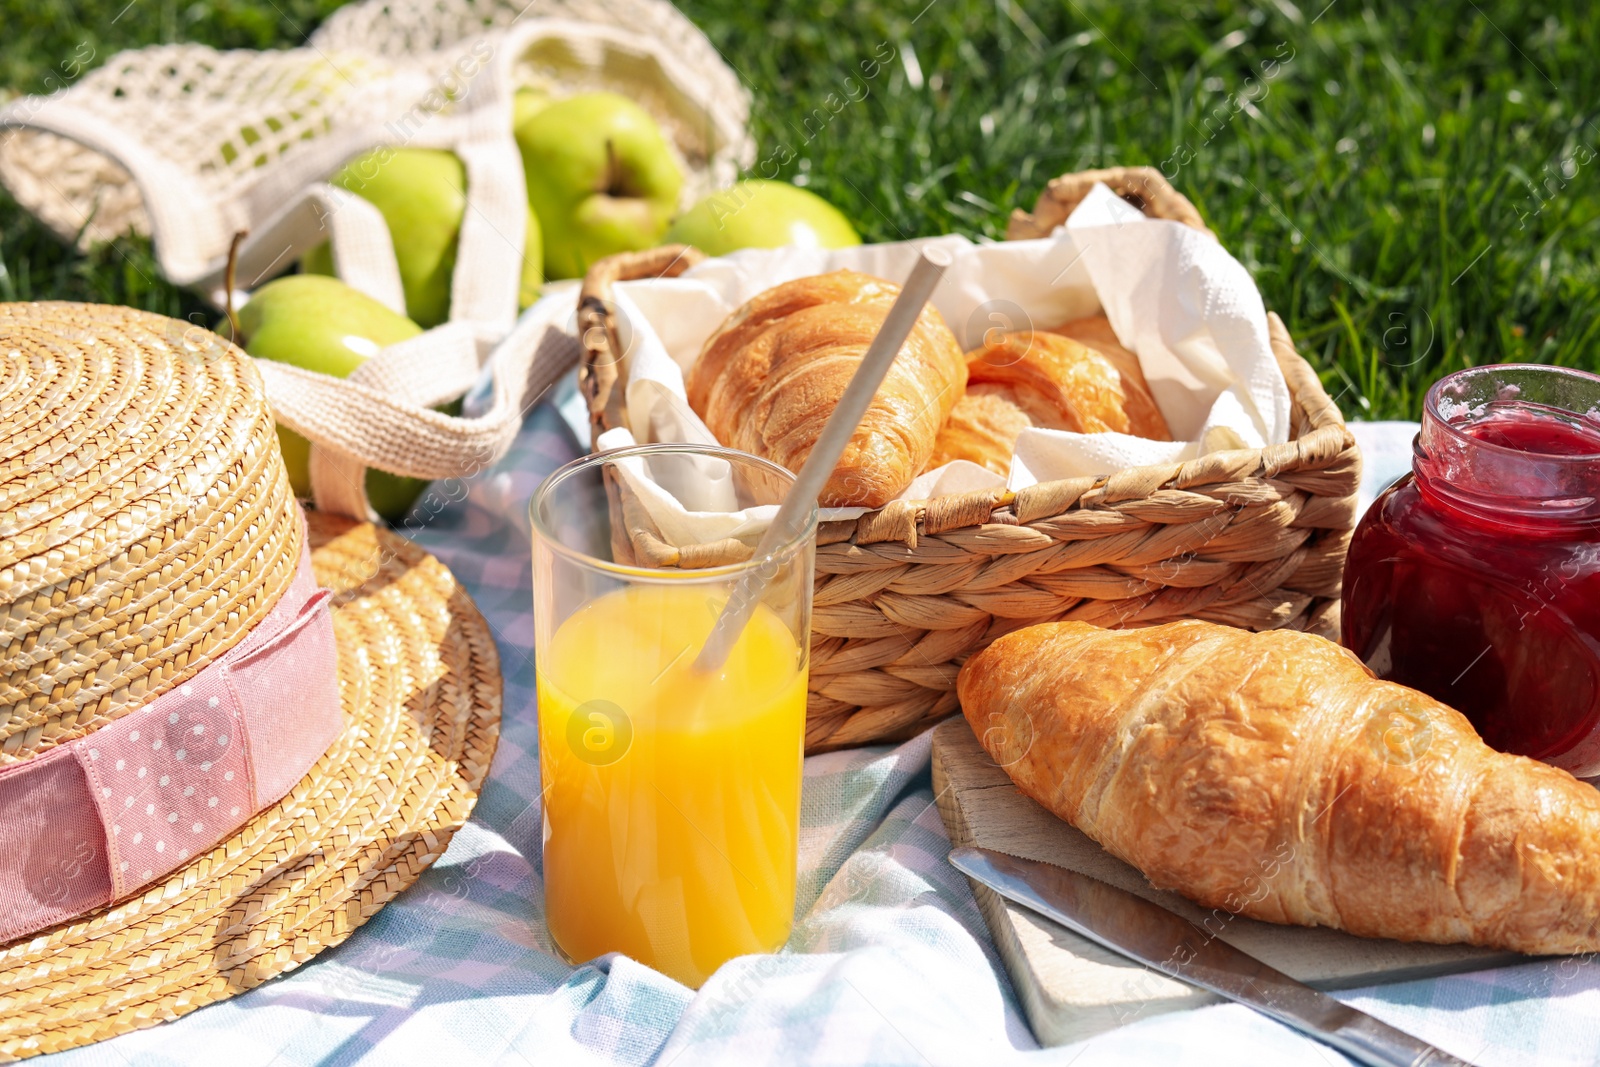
(671, 793)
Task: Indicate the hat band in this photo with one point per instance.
(99, 818)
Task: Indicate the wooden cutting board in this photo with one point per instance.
(1071, 988)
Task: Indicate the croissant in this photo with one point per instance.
(1144, 417)
(1062, 384)
(983, 429)
(769, 377)
(1271, 775)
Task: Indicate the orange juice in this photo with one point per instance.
(671, 799)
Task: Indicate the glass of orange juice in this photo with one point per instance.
(671, 793)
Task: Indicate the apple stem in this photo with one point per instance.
(227, 284)
(611, 169)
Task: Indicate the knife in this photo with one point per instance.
(1166, 942)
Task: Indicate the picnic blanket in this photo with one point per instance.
(890, 962)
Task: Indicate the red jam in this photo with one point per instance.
(1476, 578)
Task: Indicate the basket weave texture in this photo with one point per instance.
(1254, 538)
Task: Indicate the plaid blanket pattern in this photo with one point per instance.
(890, 962)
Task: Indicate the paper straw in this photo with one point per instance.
(825, 454)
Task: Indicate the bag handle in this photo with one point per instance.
(380, 416)
(385, 419)
(363, 253)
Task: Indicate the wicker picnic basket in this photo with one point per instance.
(1253, 537)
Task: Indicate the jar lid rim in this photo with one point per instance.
(1434, 396)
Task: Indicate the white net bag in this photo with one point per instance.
(191, 146)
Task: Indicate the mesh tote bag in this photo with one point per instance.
(192, 146)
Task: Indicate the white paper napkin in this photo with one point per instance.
(1175, 297)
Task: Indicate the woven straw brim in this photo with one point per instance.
(419, 681)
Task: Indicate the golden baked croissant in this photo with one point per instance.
(983, 429)
(1143, 415)
(770, 376)
(1271, 775)
(1063, 384)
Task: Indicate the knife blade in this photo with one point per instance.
(1167, 942)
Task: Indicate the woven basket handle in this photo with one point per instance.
(1146, 188)
(603, 347)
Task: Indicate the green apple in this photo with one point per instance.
(762, 214)
(527, 103)
(324, 325)
(601, 176)
(532, 279)
(421, 193)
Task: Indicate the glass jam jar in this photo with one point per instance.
(1476, 578)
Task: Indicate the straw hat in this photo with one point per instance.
(155, 579)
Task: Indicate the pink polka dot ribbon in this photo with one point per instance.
(100, 818)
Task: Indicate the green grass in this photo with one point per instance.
(1396, 186)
